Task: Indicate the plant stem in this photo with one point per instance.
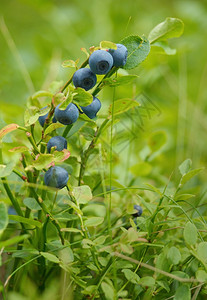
(67, 129)
(100, 85)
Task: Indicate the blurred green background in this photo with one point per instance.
(36, 36)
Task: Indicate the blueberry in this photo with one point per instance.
(84, 78)
(42, 119)
(67, 116)
(92, 109)
(57, 141)
(56, 177)
(119, 55)
(138, 212)
(100, 62)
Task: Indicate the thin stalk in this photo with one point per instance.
(100, 85)
(67, 129)
(32, 142)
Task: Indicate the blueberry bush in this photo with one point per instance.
(68, 228)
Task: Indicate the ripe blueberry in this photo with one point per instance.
(57, 141)
(138, 211)
(92, 109)
(84, 78)
(56, 177)
(42, 119)
(119, 55)
(67, 116)
(100, 62)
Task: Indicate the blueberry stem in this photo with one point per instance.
(67, 129)
(100, 85)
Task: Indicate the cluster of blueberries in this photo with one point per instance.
(100, 63)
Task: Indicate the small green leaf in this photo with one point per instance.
(31, 203)
(186, 177)
(164, 285)
(93, 221)
(32, 114)
(202, 251)
(184, 196)
(131, 276)
(201, 275)
(85, 51)
(147, 281)
(70, 63)
(40, 94)
(185, 166)
(183, 293)
(164, 48)
(170, 28)
(19, 149)
(72, 230)
(108, 290)
(157, 140)
(7, 129)
(14, 240)
(50, 257)
(25, 221)
(52, 127)
(6, 170)
(3, 217)
(82, 97)
(121, 80)
(190, 233)
(43, 161)
(122, 105)
(174, 255)
(107, 45)
(138, 49)
(82, 194)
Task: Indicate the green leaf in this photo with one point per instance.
(202, 251)
(52, 127)
(40, 94)
(3, 217)
(122, 105)
(185, 166)
(7, 129)
(82, 194)
(43, 161)
(85, 51)
(107, 45)
(31, 203)
(138, 49)
(186, 177)
(70, 63)
(19, 149)
(141, 169)
(93, 221)
(131, 276)
(164, 48)
(14, 240)
(164, 284)
(174, 255)
(183, 293)
(25, 220)
(50, 257)
(147, 281)
(32, 114)
(157, 140)
(121, 80)
(201, 275)
(6, 170)
(170, 28)
(190, 233)
(108, 290)
(82, 97)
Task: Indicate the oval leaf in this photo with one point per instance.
(183, 293)
(170, 28)
(50, 257)
(190, 233)
(138, 49)
(82, 194)
(93, 221)
(7, 129)
(25, 221)
(122, 105)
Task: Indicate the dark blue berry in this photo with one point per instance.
(67, 116)
(100, 62)
(56, 177)
(84, 78)
(92, 109)
(138, 212)
(57, 141)
(119, 55)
